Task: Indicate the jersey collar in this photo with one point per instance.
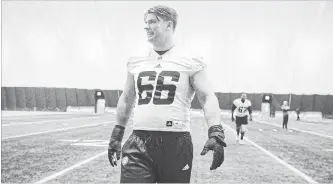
(154, 54)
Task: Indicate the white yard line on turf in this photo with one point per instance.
(18, 114)
(305, 131)
(70, 168)
(290, 167)
(8, 118)
(62, 172)
(56, 130)
(47, 121)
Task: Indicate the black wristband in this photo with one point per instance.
(118, 133)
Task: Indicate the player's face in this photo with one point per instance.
(155, 27)
(243, 97)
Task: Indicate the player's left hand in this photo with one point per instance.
(216, 144)
(250, 118)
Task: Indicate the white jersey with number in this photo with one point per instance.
(163, 89)
(241, 107)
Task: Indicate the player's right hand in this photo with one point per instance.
(216, 144)
(232, 118)
(114, 152)
(114, 149)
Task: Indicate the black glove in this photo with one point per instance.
(215, 143)
(232, 118)
(115, 144)
(250, 117)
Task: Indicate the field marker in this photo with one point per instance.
(290, 167)
(296, 129)
(56, 130)
(55, 175)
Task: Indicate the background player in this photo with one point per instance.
(298, 112)
(241, 108)
(285, 108)
(161, 83)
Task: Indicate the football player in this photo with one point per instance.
(161, 84)
(298, 111)
(285, 108)
(241, 108)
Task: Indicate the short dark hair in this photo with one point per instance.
(166, 13)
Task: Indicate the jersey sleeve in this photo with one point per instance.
(129, 65)
(235, 102)
(197, 65)
(250, 104)
(132, 64)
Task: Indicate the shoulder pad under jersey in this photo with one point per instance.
(195, 62)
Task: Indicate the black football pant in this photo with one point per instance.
(239, 122)
(285, 121)
(157, 156)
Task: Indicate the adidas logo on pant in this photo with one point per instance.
(186, 167)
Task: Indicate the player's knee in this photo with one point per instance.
(243, 129)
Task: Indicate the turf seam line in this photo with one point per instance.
(296, 129)
(56, 130)
(46, 121)
(62, 172)
(70, 168)
(290, 167)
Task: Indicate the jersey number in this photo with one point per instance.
(160, 86)
(242, 109)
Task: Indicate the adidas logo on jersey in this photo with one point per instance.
(169, 123)
(186, 167)
(158, 66)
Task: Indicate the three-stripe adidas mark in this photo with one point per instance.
(186, 167)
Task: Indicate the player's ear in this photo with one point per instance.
(170, 25)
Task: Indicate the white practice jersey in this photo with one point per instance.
(163, 89)
(241, 107)
(285, 109)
